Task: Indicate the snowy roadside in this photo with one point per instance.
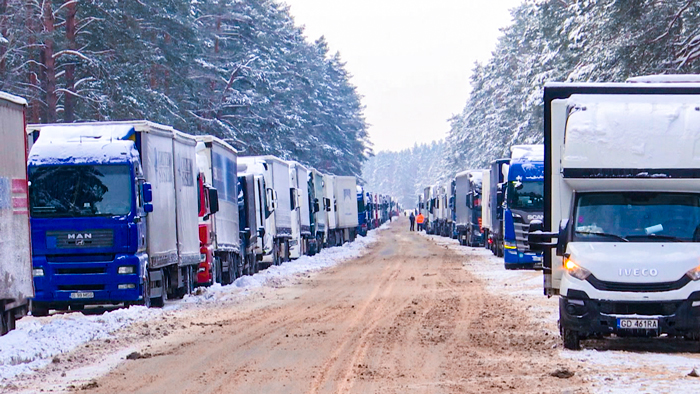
(641, 370)
(36, 341)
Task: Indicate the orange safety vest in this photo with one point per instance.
(420, 218)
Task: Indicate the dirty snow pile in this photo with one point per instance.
(36, 341)
(275, 276)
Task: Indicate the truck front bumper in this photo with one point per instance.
(590, 317)
(67, 283)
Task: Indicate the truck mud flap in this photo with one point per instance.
(156, 278)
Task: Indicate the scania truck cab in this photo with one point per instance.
(524, 201)
(622, 199)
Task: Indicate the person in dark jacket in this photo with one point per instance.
(412, 218)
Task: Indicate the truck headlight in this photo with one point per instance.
(693, 274)
(574, 270)
(125, 270)
(37, 272)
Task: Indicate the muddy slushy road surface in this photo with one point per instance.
(405, 318)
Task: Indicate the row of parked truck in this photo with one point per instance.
(492, 207)
(609, 206)
(136, 212)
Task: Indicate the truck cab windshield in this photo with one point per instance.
(527, 195)
(79, 191)
(637, 217)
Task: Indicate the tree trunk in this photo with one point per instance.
(49, 64)
(69, 99)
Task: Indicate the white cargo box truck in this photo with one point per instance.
(301, 221)
(16, 285)
(278, 225)
(346, 207)
(217, 161)
(331, 206)
(622, 197)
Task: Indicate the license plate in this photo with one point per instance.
(82, 295)
(638, 324)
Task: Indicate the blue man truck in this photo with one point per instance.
(113, 209)
(524, 202)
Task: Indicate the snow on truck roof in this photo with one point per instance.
(632, 131)
(12, 98)
(527, 153)
(77, 143)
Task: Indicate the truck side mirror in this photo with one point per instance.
(148, 207)
(327, 204)
(540, 240)
(147, 192)
(499, 196)
(213, 200)
(316, 205)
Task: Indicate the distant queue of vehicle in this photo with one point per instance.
(491, 207)
(134, 212)
(374, 209)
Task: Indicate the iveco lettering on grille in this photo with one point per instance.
(638, 272)
(80, 236)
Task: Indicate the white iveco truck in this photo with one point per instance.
(622, 197)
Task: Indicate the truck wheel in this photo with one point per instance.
(572, 341)
(39, 311)
(7, 322)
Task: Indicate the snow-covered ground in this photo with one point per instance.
(650, 366)
(36, 341)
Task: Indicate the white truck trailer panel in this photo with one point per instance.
(276, 174)
(329, 193)
(157, 161)
(186, 198)
(217, 161)
(486, 200)
(346, 196)
(16, 284)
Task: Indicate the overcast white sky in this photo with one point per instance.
(411, 59)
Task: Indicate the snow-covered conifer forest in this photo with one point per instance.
(557, 40)
(238, 69)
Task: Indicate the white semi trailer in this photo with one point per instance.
(346, 208)
(301, 219)
(278, 224)
(622, 198)
(16, 286)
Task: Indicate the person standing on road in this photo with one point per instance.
(413, 222)
(420, 219)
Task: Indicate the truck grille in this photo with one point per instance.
(80, 239)
(81, 287)
(79, 271)
(521, 234)
(638, 287)
(641, 308)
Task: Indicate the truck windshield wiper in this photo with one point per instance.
(604, 235)
(657, 236)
